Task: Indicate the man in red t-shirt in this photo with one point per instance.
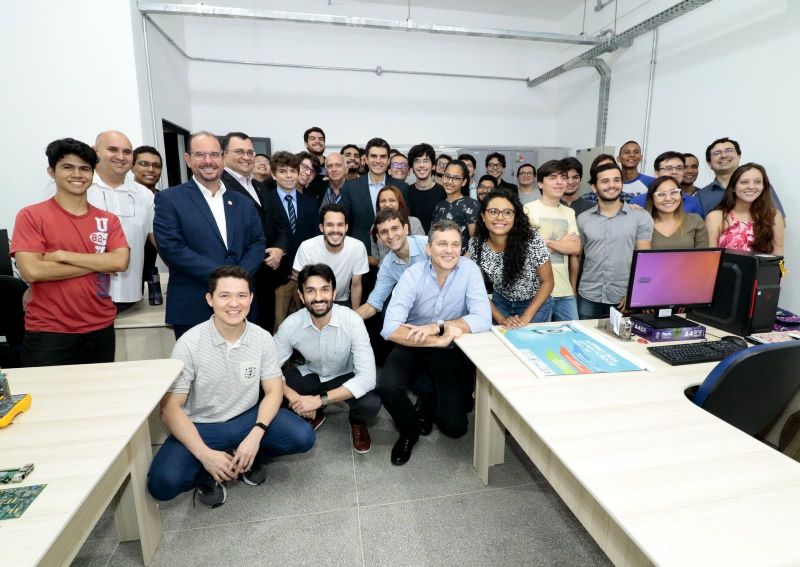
(67, 250)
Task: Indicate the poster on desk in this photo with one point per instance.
(562, 349)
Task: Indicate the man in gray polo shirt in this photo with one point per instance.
(609, 231)
(340, 365)
(219, 429)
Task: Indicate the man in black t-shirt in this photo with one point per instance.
(425, 192)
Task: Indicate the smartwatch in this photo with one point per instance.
(261, 425)
(440, 322)
(324, 399)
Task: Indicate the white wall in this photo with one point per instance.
(725, 69)
(69, 71)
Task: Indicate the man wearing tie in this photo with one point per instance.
(239, 156)
(199, 226)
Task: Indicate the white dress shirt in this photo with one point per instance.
(216, 203)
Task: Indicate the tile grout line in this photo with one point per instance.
(412, 500)
(358, 508)
(110, 555)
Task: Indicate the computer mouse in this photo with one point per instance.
(735, 340)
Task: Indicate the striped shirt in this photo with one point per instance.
(223, 379)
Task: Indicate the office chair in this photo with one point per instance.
(12, 320)
(750, 388)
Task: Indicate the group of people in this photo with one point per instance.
(311, 260)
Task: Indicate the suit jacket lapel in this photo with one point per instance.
(232, 183)
(230, 221)
(197, 198)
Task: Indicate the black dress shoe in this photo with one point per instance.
(425, 424)
(401, 451)
(424, 410)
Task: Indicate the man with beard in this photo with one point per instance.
(352, 158)
(337, 170)
(610, 231)
(339, 367)
(345, 255)
(314, 140)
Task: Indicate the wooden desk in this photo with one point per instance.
(652, 477)
(87, 434)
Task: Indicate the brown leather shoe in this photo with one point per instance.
(360, 435)
(319, 419)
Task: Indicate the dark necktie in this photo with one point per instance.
(292, 213)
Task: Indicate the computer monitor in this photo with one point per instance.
(664, 280)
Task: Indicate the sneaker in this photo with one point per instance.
(256, 475)
(212, 494)
(360, 435)
(319, 419)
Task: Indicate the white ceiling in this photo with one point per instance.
(540, 9)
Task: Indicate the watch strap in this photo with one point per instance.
(261, 425)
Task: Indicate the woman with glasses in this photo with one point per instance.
(526, 175)
(746, 218)
(390, 197)
(456, 207)
(673, 227)
(514, 258)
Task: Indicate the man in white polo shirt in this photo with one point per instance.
(347, 256)
(219, 429)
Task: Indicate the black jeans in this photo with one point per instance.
(55, 349)
(361, 408)
(449, 373)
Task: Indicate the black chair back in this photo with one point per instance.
(12, 320)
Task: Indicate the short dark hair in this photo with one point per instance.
(549, 168)
(533, 167)
(470, 158)
(228, 271)
(630, 142)
(57, 149)
(687, 155)
(722, 141)
(422, 150)
(665, 156)
(284, 159)
(310, 130)
(602, 168)
(262, 155)
(597, 160)
(197, 135)
(315, 165)
(348, 146)
(331, 208)
(385, 215)
(441, 226)
(500, 157)
(445, 156)
(323, 271)
(487, 177)
(146, 150)
(572, 163)
(226, 139)
(377, 143)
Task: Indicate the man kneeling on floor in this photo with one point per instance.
(219, 429)
(340, 364)
(433, 303)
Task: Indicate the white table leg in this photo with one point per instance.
(489, 433)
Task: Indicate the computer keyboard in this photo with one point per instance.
(695, 353)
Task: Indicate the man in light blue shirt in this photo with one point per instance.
(433, 303)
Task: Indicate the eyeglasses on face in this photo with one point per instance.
(674, 194)
(720, 153)
(494, 213)
(203, 155)
(241, 153)
(672, 168)
(448, 177)
(494, 165)
(149, 164)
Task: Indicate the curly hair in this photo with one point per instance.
(517, 243)
(762, 210)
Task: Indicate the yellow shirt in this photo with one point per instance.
(554, 223)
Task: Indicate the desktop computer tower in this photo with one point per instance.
(745, 295)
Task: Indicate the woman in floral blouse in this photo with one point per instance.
(514, 257)
(456, 207)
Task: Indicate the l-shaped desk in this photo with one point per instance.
(652, 477)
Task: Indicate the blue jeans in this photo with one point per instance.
(509, 308)
(174, 469)
(589, 309)
(564, 308)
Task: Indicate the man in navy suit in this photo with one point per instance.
(239, 156)
(199, 226)
(300, 212)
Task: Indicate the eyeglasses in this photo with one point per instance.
(203, 155)
(448, 177)
(494, 213)
(675, 193)
(149, 164)
(672, 168)
(494, 165)
(726, 151)
(124, 206)
(399, 166)
(525, 174)
(442, 163)
(241, 153)
(306, 168)
(486, 187)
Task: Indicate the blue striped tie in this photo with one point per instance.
(292, 213)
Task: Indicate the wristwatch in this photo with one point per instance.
(324, 399)
(261, 425)
(440, 322)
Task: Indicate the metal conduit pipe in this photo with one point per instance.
(649, 108)
(604, 71)
(356, 22)
(155, 137)
(376, 70)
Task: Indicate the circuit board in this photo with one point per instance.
(14, 501)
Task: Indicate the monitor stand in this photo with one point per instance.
(668, 322)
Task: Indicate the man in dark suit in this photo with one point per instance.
(199, 226)
(239, 156)
(301, 213)
(359, 195)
